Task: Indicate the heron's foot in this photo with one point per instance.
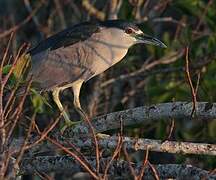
(69, 124)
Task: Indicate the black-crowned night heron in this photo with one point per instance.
(75, 55)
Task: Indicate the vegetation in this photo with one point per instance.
(147, 76)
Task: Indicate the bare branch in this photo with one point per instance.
(60, 13)
(159, 146)
(135, 144)
(118, 168)
(92, 10)
(140, 115)
(113, 9)
(74, 156)
(130, 143)
(193, 90)
(26, 20)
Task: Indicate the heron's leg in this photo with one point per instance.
(55, 94)
(76, 91)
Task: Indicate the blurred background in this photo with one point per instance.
(147, 75)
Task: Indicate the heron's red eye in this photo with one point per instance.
(128, 30)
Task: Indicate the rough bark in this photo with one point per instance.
(118, 168)
(110, 142)
(140, 115)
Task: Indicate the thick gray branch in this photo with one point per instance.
(139, 115)
(118, 168)
(110, 142)
(153, 145)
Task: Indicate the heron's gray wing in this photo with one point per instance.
(54, 73)
(55, 61)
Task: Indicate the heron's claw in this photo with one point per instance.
(68, 124)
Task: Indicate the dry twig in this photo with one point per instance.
(193, 90)
(92, 10)
(18, 26)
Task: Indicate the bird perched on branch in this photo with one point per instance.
(75, 55)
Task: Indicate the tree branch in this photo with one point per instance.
(177, 110)
(92, 10)
(110, 142)
(139, 115)
(19, 25)
(130, 143)
(118, 168)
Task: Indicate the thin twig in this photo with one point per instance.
(43, 135)
(22, 149)
(193, 91)
(21, 49)
(92, 173)
(92, 10)
(18, 26)
(198, 82)
(117, 150)
(18, 111)
(145, 163)
(203, 14)
(171, 129)
(60, 13)
(155, 173)
(2, 119)
(97, 151)
(34, 17)
(113, 9)
(79, 153)
(129, 163)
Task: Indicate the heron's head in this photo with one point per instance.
(129, 32)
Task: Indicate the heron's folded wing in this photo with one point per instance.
(67, 37)
(51, 65)
(57, 77)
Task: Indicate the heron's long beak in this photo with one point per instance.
(142, 38)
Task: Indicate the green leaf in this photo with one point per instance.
(6, 69)
(38, 102)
